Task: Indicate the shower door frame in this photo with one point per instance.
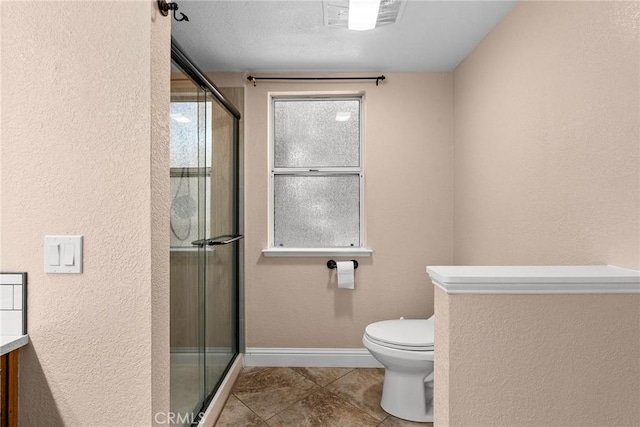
(200, 79)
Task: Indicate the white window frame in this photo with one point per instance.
(274, 251)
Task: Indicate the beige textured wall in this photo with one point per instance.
(547, 138)
(160, 63)
(85, 92)
(293, 302)
(547, 171)
(442, 399)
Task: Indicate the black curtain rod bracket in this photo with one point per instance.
(255, 79)
(165, 7)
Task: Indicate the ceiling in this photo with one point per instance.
(264, 36)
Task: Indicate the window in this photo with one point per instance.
(316, 176)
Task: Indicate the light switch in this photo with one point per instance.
(69, 253)
(54, 254)
(63, 254)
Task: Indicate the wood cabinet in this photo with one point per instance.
(9, 389)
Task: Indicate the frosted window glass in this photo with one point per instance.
(317, 211)
(317, 133)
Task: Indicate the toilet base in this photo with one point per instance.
(407, 396)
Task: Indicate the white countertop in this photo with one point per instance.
(564, 279)
(8, 343)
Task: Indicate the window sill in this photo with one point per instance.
(317, 252)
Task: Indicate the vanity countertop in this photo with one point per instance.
(8, 343)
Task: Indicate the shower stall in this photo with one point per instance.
(205, 236)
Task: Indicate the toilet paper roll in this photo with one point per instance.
(346, 278)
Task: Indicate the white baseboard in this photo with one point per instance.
(310, 357)
(213, 411)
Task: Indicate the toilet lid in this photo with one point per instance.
(414, 334)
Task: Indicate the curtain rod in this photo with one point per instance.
(378, 79)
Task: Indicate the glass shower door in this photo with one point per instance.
(222, 260)
(204, 239)
(189, 183)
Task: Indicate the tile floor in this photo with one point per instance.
(323, 397)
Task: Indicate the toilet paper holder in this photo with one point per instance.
(331, 264)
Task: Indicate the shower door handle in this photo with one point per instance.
(219, 240)
(224, 240)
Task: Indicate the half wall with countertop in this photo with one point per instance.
(538, 345)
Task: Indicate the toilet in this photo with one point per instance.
(405, 348)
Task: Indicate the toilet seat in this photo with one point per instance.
(402, 334)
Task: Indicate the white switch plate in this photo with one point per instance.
(69, 259)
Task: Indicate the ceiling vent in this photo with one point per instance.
(336, 12)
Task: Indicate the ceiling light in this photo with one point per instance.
(343, 116)
(338, 13)
(363, 14)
